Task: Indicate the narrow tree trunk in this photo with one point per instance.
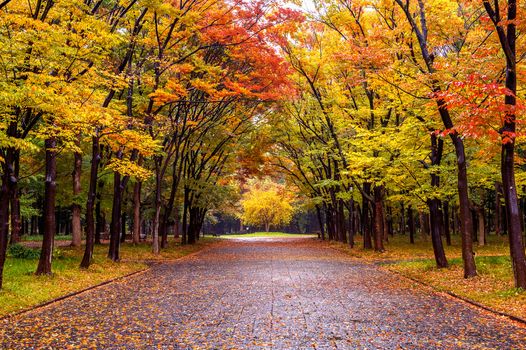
(157, 216)
(50, 189)
(411, 224)
(100, 225)
(177, 223)
(184, 238)
(123, 226)
(136, 236)
(90, 204)
(7, 169)
(378, 219)
(481, 226)
(438, 248)
(498, 209)
(341, 219)
(15, 197)
(115, 225)
(320, 222)
(447, 233)
(351, 223)
(402, 226)
(76, 228)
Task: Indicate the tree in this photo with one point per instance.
(266, 205)
(507, 33)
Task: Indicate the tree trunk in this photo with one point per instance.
(8, 170)
(351, 223)
(411, 224)
(184, 238)
(436, 238)
(498, 209)
(50, 189)
(136, 213)
(115, 225)
(378, 219)
(447, 232)
(157, 216)
(341, 219)
(320, 222)
(123, 226)
(100, 225)
(177, 222)
(481, 226)
(15, 198)
(90, 204)
(76, 228)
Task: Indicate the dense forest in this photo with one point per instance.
(126, 119)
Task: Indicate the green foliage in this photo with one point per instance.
(19, 251)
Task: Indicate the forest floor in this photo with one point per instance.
(22, 289)
(284, 293)
(493, 287)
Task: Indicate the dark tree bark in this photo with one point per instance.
(411, 224)
(123, 226)
(320, 222)
(50, 190)
(115, 225)
(7, 176)
(136, 235)
(447, 233)
(15, 199)
(341, 219)
(184, 238)
(90, 204)
(351, 223)
(434, 204)
(100, 225)
(366, 218)
(76, 228)
(498, 209)
(378, 219)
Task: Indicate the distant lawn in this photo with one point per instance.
(22, 289)
(38, 238)
(493, 286)
(267, 234)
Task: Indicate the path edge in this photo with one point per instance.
(459, 297)
(471, 302)
(150, 264)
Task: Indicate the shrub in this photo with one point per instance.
(22, 252)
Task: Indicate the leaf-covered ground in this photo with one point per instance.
(493, 287)
(259, 294)
(22, 289)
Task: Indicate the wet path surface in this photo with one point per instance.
(261, 294)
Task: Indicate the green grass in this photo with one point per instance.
(267, 234)
(38, 238)
(23, 289)
(492, 287)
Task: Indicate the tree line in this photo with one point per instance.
(134, 109)
(404, 107)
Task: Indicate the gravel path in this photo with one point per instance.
(262, 294)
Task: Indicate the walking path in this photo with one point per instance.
(278, 293)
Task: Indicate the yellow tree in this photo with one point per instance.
(266, 205)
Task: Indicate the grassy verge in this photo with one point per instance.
(22, 289)
(39, 238)
(266, 234)
(493, 287)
